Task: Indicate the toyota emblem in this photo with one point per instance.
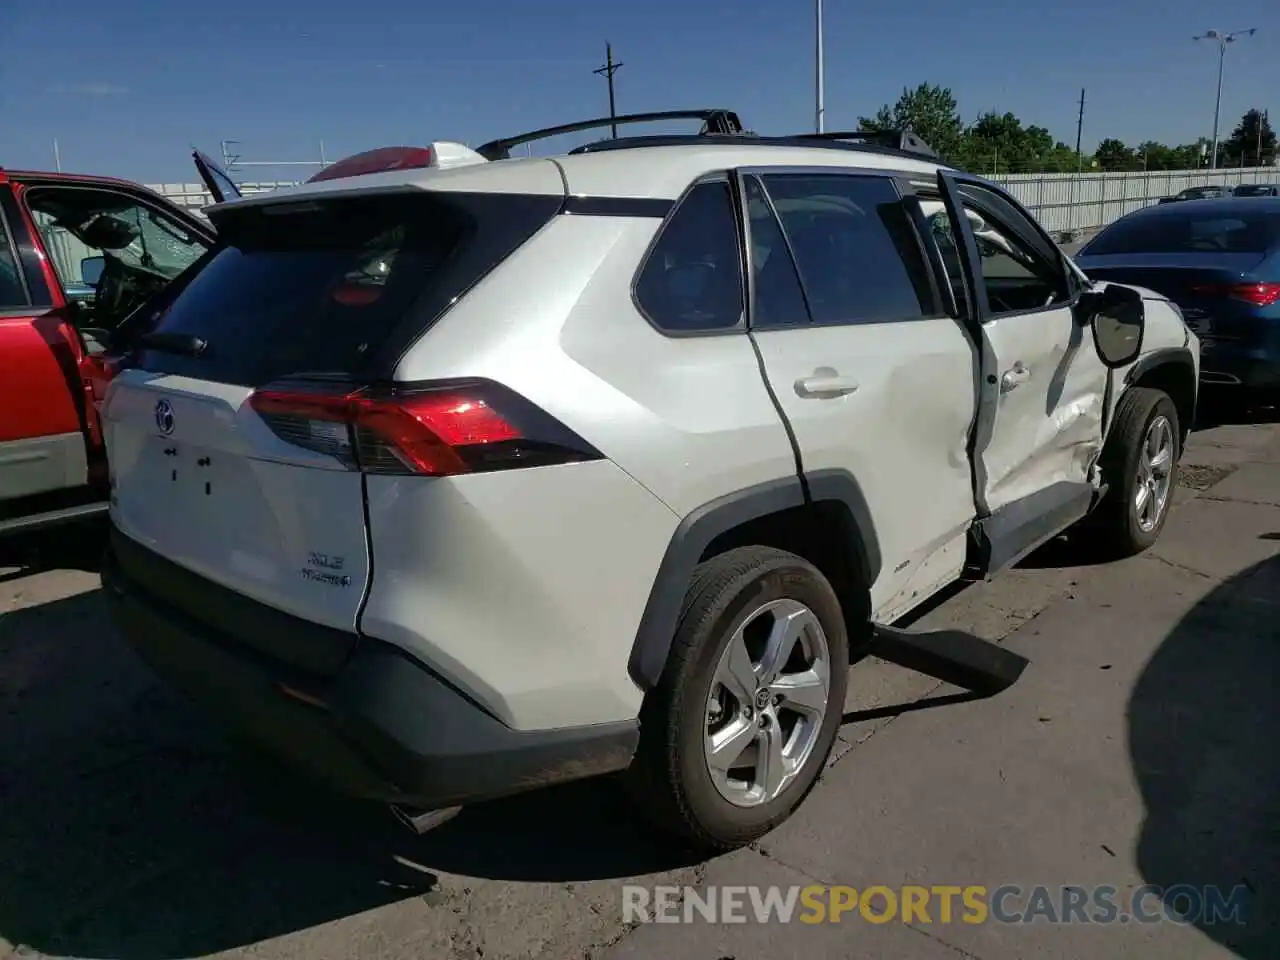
(164, 417)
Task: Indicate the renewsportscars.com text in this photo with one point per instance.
(938, 904)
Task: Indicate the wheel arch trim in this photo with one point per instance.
(703, 525)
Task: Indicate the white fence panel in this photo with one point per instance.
(1063, 202)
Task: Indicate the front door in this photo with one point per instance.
(1043, 387)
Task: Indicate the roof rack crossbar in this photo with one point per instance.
(903, 140)
(715, 121)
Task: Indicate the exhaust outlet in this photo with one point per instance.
(1212, 376)
(420, 821)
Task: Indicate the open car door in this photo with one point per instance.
(1043, 386)
(215, 178)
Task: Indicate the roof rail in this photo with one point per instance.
(714, 122)
(748, 139)
(903, 140)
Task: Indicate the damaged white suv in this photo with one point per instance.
(451, 475)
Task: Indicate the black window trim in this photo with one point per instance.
(896, 178)
(26, 253)
(139, 196)
(8, 245)
(933, 254)
(737, 212)
(741, 176)
(1075, 286)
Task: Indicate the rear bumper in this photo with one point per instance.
(383, 727)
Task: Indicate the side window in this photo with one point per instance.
(942, 235)
(692, 279)
(858, 256)
(70, 220)
(779, 299)
(1018, 275)
(12, 293)
(111, 251)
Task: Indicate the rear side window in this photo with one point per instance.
(1190, 232)
(858, 257)
(336, 286)
(691, 281)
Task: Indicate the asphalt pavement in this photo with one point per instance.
(1138, 748)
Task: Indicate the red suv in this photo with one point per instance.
(78, 256)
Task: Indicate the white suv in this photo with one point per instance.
(479, 474)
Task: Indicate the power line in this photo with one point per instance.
(607, 71)
(1079, 132)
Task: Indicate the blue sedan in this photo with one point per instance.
(1219, 261)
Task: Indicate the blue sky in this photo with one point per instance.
(127, 87)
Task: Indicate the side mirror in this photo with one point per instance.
(1119, 321)
(91, 270)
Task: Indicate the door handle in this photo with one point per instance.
(825, 386)
(1014, 377)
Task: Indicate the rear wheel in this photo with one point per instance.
(1140, 468)
(749, 705)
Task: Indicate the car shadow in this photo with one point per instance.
(134, 829)
(1226, 407)
(1203, 724)
(74, 546)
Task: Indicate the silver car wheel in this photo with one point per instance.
(1155, 474)
(767, 703)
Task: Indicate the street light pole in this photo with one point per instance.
(1222, 39)
(819, 82)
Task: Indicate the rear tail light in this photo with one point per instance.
(436, 430)
(1258, 294)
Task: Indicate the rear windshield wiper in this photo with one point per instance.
(183, 344)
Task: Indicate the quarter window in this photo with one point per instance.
(692, 279)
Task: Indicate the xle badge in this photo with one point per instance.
(323, 568)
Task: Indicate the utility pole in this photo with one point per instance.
(607, 71)
(1262, 125)
(1221, 39)
(819, 109)
(1079, 132)
(57, 156)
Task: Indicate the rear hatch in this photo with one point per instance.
(239, 435)
(1220, 296)
(1215, 259)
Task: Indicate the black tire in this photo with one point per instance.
(669, 780)
(1113, 528)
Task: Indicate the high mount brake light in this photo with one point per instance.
(1258, 294)
(375, 161)
(435, 431)
(441, 155)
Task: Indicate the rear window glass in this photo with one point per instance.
(1211, 232)
(333, 286)
(1254, 190)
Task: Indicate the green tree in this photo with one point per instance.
(1156, 156)
(999, 143)
(1251, 144)
(929, 111)
(1112, 154)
